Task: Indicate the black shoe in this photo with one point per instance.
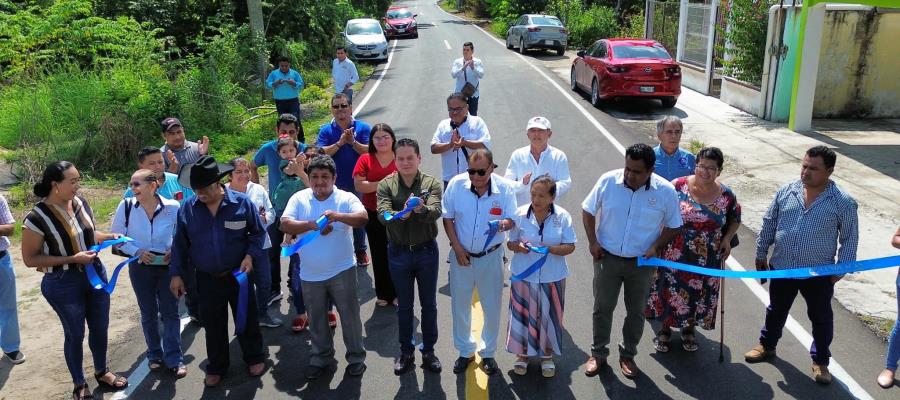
(489, 366)
(403, 363)
(356, 369)
(431, 363)
(313, 372)
(461, 364)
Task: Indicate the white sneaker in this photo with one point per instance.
(15, 357)
(269, 321)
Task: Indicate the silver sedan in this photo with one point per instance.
(535, 31)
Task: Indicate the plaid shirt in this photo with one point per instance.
(809, 236)
(5, 218)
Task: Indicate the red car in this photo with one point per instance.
(399, 21)
(616, 68)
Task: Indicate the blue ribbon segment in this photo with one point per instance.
(801, 272)
(493, 228)
(288, 251)
(91, 269)
(240, 323)
(410, 205)
(537, 264)
(109, 243)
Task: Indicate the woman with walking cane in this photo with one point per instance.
(711, 217)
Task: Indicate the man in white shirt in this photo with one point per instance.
(471, 201)
(639, 214)
(344, 73)
(468, 69)
(456, 137)
(537, 159)
(326, 265)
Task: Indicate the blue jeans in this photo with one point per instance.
(349, 94)
(359, 234)
(75, 301)
(156, 302)
(294, 284)
(893, 354)
(9, 316)
(410, 268)
(262, 279)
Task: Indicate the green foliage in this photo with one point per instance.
(313, 93)
(745, 39)
(592, 24)
(635, 26)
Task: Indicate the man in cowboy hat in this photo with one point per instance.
(219, 231)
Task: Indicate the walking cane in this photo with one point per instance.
(722, 318)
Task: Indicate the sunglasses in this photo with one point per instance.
(480, 172)
(340, 106)
(135, 184)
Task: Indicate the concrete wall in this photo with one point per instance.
(859, 75)
(741, 95)
(694, 78)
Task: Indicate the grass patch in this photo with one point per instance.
(695, 145)
(880, 326)
(449, 6)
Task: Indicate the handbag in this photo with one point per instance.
(468, 89)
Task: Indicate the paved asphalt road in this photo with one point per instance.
(411, 99)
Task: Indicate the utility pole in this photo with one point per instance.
(258, 38)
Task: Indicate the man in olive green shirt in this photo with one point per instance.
(413, 251)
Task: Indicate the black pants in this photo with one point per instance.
(384, 286)
(817, 292)
(473, 105)
(216, 294)
(276, 236)
(292, 106)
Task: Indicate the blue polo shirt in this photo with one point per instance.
(216, 244)
(345, 158)
(169, 189)
(268, 155)
(284, 91)
(679, 164)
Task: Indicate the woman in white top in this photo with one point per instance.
(150, 220)
(537, 159)
(537, 291)
(239, 181)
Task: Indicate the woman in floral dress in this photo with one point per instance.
(711, 217)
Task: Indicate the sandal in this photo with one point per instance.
(548, 369)
(119, 382)
(155, 365)
(662, 339)
(76, 394)
(381, 303)
(520, 367)
(688, 340)
(180, 371)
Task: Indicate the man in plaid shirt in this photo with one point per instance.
(807, 220)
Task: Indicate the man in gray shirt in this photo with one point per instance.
(179, 151)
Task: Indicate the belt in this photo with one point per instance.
(607, 253)
(50, 270)
(486, 252)
(413, 247)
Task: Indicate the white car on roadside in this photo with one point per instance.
(364, 39)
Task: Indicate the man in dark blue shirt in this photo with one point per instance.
(218, 231)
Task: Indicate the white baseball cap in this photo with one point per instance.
(538, 122)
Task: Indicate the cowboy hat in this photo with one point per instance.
(202, 173)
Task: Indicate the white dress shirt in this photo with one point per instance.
(343, 72)
(150, 234)
(471, 213)
(553, 163)
(630, 221)
(330, 254)
(556, 229)
(470, 75)
(454, 162)
(260, 198)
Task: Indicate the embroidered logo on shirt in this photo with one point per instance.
(495, 208)
(683, 161)
(651, 201)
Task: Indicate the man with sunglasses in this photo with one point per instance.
(345, 139)
(458, 136)
(478, 208)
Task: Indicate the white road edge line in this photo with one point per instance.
(804, 337)
(446, 44)
(140, 373)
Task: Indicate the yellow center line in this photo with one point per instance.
(476, 379)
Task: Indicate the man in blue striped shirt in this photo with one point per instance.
(807, 220)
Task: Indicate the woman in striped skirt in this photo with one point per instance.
(537, 290)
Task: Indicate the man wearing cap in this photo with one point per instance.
(472, 203)
(326, 265)
(287, 125)
(458, 136)
(179, 151)
(537, 159)
(286, 84)
(218, 232)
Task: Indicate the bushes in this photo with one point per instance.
(746, 39)
(592, 24)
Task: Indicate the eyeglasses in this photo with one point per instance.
(480, 172)
(454, 110)
(340, 106)
(136, 184)
(706, 169)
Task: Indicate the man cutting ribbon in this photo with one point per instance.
(219, 232)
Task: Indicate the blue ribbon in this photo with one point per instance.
(410, 205)
(288, 251)
(493, 228)
(91, 269)
(537, 264)
(240, 323)
(801, 272)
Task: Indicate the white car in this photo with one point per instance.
(364, 39)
